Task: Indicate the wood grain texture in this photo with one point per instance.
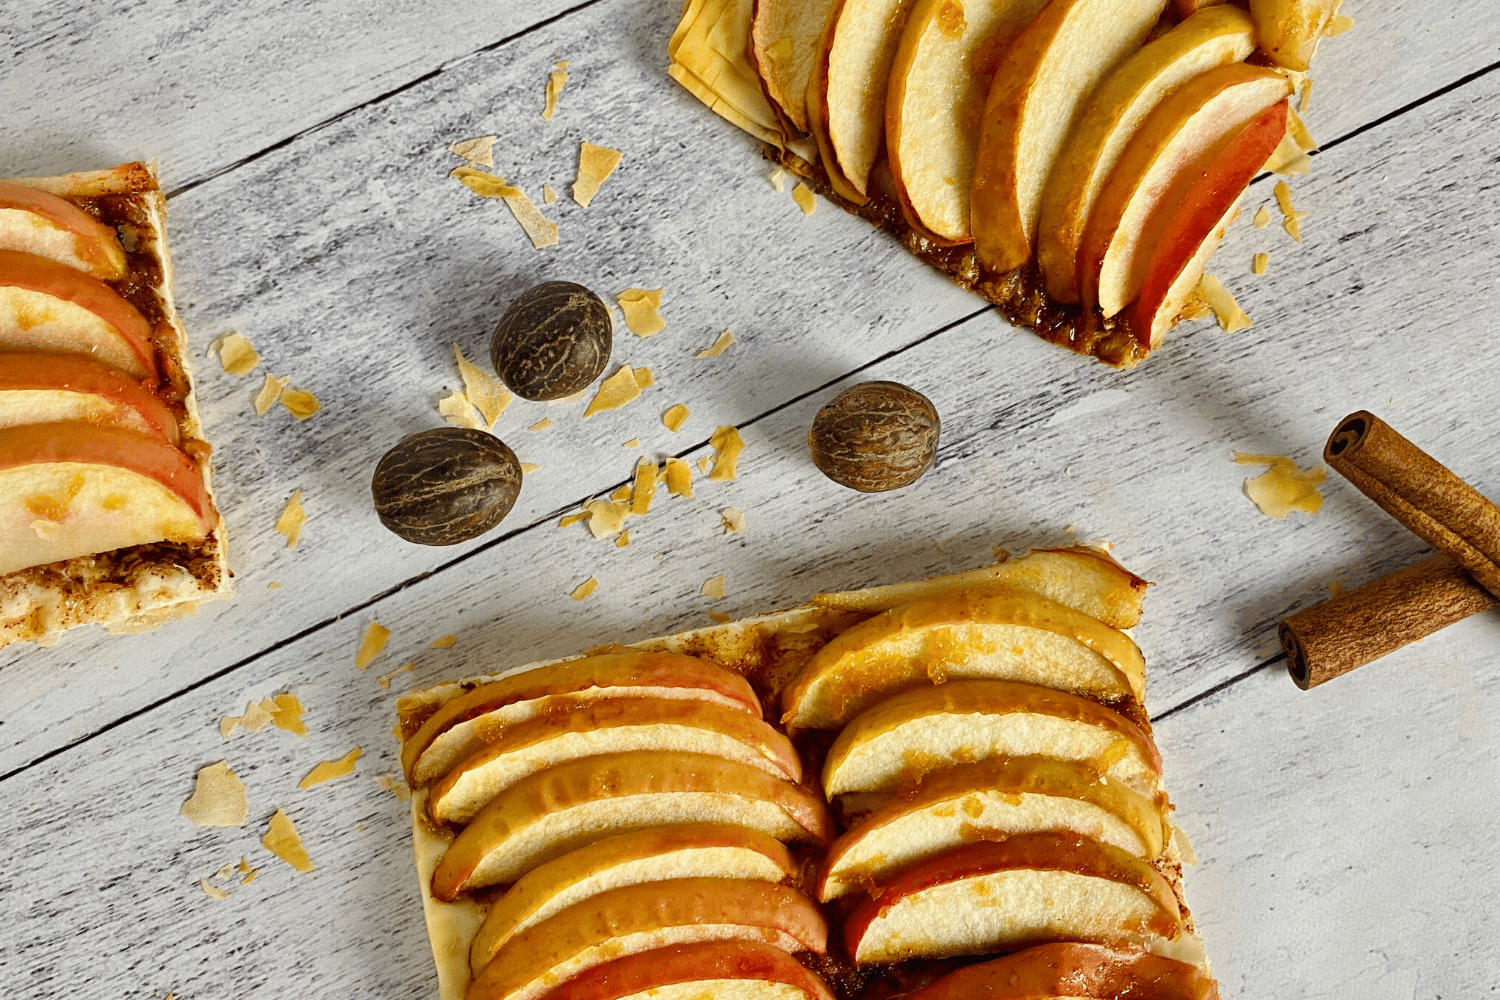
(205, 85)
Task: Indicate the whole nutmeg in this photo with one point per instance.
(552, 341)
(875, 436)
(445, 486)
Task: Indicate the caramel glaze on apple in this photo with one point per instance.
(1019, 295)
(143, 275)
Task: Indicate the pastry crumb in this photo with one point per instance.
(292, 519)
(482, 389)
(370, 646)
(1226, 310)
(1283, 488)
(1260, 263)
(218, 798)
(733, 520)
(300, 403)
(614, 392)
(384, 680)
(727, 445)
(584, 589)
(394, 785)
(805, 199)
(1291, 218)
(556, 80)
(443, 642)
(329, 769)
(632, 443)
(212, 891)
(674, 418)
(479, 151)
(288, 714)
(595, 165)
(541, 424)
(236, 355)
(642, 309)
(720, 345)
(270, 392)
(679, 476)
(714, 587)
(623, 541)
(1262, 217)
(281, 840)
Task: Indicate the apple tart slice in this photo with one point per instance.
(999, 789)
(106, 508)
(1031, 150)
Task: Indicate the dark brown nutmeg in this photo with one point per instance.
(875, 436)
(552, 341)
(445, 486)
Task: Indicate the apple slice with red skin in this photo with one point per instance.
(703, 963)
(1023, 890)
(461, 725)
(1127, 215)
(41, 223)
(928, 729)
(1196, 211)
(566, 729)
(47, 306)
(655, 854)
(41, 388)
(1073, 969)
(993, 630)
(73, 489)
(990, 800)
(547, 814)
(639, 918)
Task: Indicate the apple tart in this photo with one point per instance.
(106, 508)
(1075, 162)
(876, 792)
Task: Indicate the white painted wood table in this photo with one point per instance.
(1347, 835)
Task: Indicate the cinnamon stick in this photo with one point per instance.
(1365, 624)
(1420, 492)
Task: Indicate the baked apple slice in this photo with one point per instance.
(684, 850)
(1023, 890)
(74, 489)
(565, 729)
(1289, 30)
(47, 306)
(638, 918)
(1084, 579)
(1047, 74)
(42, 388)
(465, 723)
(1072, 969)
(784, 43)
(859, 47)
(40, 223)
(732, 970)
(552, 812)
(1215, 36)
(944, 62)
(1197, 219)
(990, 800)
(994, 631)
(1127, 217)
(900, 740)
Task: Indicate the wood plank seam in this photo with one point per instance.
(378, 98)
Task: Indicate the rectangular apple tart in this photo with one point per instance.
(1075, 162)
(947, 786)
(106, 511)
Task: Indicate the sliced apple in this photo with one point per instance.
(1072, 969)
(558, 810)
(1187, 8)
(859, 47)
(1127, 217)
(1023, 890)
(1084, 579)
(1289, 30)
(566, 729)
(722, 970)
(784, 36)
(993, 631)
(818, 121)
(465, 723)
(947, 55)
(50, 388)
(638, 918)
(1212, 37)
(913, 734)
(1183, 290)
(990, 800)
(43, 224)
(47, 306)
(1197, 213)
(1050, 70)
(684, 850)
(69, 490)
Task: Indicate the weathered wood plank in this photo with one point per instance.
(339, 298)
(204, 85)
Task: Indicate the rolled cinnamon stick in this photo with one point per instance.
(1420, 492)
(1365, 624)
